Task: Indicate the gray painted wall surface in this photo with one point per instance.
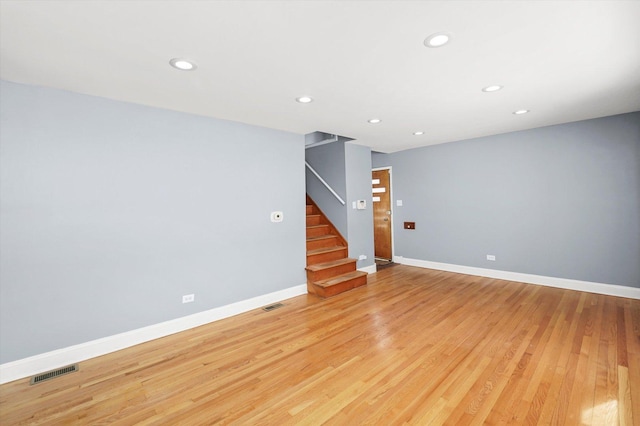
(560, 201)
(379, 159)
(110, 212)
(329, 161)
(360, 222)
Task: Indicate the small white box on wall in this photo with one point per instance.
(361, 204)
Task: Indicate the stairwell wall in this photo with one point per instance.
(360, 222)
(329, 162)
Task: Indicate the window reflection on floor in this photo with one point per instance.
(607, 411)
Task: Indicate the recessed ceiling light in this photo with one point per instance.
(494, 88)
(437, 40)
(521, 111)
(304, 99)
(418, 133)
(375, 121)
(182, 64)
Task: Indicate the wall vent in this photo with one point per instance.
(54, 373)
(272, 307)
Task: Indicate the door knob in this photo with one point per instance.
(386, 219)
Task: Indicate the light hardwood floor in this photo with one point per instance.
(414, 346)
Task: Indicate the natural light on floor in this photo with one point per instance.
(605, 411)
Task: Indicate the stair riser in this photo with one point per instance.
(311, 289)
(325, 242)
(330, 272)
(326, 257)
(310, 210)
(313, 220)
(340, 288)
(317, 232)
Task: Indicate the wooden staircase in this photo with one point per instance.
(329, 270)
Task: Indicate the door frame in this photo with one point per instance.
(392, 206)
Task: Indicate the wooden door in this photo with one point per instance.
(381, 213)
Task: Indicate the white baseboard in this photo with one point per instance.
(371, 269)
(26, 367)
(590, 287)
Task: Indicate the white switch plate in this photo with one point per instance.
(277, 217)
(188, 298)
(399, 203)
(491, 257)
(362, 257)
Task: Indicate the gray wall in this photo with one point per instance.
(560, 201)
(379, 159)
(359, 222)
(329, 162)
(110, 212)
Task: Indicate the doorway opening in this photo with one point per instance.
(382, 216)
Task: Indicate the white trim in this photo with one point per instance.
(371, 269)
(590, 287)
(26, 367)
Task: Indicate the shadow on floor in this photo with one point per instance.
(382, 264)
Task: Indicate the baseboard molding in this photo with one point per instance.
(26, 367)
(590, 287)
(371, 269)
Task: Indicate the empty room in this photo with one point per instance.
(319, 212)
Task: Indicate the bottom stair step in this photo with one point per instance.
(326, 270)
(340, 284)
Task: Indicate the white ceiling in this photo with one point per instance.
(563, 60)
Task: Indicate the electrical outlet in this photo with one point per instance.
(188, 298)
(491, 257)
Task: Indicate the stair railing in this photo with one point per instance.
(335, 194)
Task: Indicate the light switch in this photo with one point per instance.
(399, 203)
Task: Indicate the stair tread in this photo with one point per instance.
(313, 215)
(321, 237)
(330, 264)
(340, 278)
(318, 226)
(325, 250)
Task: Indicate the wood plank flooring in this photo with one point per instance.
(415, 346)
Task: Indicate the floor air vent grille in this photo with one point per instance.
(272, 307)
(54, 373)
